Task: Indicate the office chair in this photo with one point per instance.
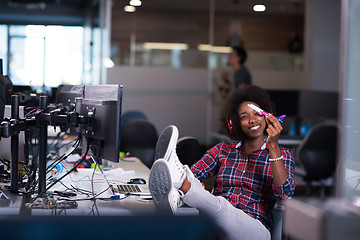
(277, 225)
(317, 153)
(188, 150)
(138, 138)
(130, 115)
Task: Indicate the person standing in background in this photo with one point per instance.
(242, 77)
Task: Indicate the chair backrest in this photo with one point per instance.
(139, 137)
(188, 150)
(317, 152)
(131, 115)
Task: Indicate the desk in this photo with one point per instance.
(82, 179)
(123, 171)
(291, 141)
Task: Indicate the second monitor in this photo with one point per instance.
(102, 103)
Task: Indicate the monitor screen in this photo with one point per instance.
(103, 104)
(318, 104)
(285, 101)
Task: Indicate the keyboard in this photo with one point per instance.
(126, 188)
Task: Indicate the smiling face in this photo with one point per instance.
(252, 124)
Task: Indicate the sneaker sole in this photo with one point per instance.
(167, 141)
(160, 186)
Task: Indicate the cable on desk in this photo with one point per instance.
(82, 159)
(92, 209)
(55, 138)
(55, 163)
(103, 174)
(50, 202)
(65, 155)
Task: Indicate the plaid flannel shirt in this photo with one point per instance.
(246, 180)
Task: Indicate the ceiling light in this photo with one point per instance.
(259, 8)
(108, 63)
(165, 46)
(135, 3)
(217, 49)
(129, 8)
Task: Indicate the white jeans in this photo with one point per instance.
(233, 222)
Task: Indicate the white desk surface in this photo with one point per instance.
(83, 178)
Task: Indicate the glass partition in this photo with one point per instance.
(348, 180)
(178, 35)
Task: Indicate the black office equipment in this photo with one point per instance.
(67, 94)
(139, 138)
(6, 89)
(96, 116)
(318, 105)
(317, 153)
(137, 181)
(285, 101)
(311, 104)
(102, 105)
(131, 115)
(27, 95)
(188, 150)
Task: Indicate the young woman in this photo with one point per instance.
(251, 172)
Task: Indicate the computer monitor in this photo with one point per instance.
(318, 105)
(6, 89)
(66, 95)
(285, 101)
(103, 103)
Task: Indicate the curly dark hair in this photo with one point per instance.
(251, 93)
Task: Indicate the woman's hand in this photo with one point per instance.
(273, 130)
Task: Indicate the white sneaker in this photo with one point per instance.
(166, 150)
(167, 142)
(165, 196)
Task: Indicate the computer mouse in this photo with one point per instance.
(137, 181)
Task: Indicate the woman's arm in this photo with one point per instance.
(279, 172)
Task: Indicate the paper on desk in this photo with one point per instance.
(111, 172)
(73, 158)
(118, 171)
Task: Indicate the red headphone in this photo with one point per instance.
(230, 126)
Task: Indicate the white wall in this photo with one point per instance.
(166, 96)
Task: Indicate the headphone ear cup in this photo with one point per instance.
(230, 126)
